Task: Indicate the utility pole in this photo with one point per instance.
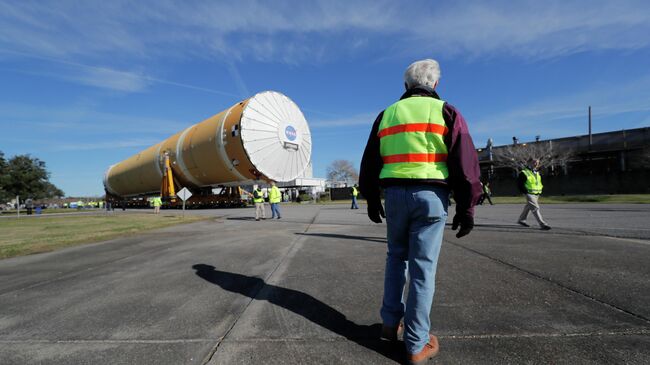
(18, 206)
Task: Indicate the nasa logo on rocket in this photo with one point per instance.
(291, 133)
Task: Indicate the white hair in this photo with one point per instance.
(424, 73)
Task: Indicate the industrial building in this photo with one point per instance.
(615, 162)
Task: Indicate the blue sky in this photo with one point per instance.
(86, 84)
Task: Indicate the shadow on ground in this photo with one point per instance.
(304, 305)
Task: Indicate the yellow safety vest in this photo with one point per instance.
(411, 139)
(260, 198)
(533, 181)
(274, 195)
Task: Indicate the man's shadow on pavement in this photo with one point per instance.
(304, 305)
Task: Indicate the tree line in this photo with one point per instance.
(27, 177)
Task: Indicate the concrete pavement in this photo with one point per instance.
(307, 289)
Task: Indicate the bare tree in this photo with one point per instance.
(343, 171)
(517, 156)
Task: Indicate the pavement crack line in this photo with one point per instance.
(549, 280)
(290, 252)
(639, 332)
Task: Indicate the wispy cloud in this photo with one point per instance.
(112, 79)
(288, 31)
(238, 79)
(537, 30)
(566, 114)
(72, 145)
(81, 119)
(361, 119)
(104, 77)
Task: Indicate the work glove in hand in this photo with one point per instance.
(466, 224)
(376, 211)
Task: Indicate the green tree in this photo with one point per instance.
(25, 176)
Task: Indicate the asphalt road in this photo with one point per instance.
(307, 289)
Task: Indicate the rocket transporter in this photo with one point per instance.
(262, 138)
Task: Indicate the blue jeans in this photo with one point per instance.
(416, 217)
(354, 203)
(275, 210)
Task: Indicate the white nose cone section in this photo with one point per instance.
(275, 135)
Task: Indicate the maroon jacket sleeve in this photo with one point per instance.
(371, 165)
(462, 162)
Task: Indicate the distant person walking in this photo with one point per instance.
(354, 193)
(529, 183)
(258, 199)
(157, 203)
(275, 197)
(418, 150)
(486, 194)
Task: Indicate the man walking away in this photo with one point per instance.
(486, 194)
(529, 183)
(258, 199)
(355, 192)
(274, 198)
(419, 150)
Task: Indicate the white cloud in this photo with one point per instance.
(346, 121)
(537, 30)
(82, 119)
(72, 145)
(566, 114)
(112, 79)
(289, 31)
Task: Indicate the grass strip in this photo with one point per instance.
(31, 235)
(612, 199)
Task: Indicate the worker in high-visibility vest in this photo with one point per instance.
(274, 199)
(354, 193)
(157, 203)
(419, 150)
(258, 199)
(529, 183)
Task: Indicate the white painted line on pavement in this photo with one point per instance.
(641, 241)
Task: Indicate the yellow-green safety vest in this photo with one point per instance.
(533, 181)
(411, 140)
(355, 192)
(157, 202)
(261, 197)
(274, 195)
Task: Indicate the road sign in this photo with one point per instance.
(184, 194)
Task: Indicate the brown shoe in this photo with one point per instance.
(392, 333)
(430, 350)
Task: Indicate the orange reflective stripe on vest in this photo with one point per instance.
(415, 157)
(414, 127)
